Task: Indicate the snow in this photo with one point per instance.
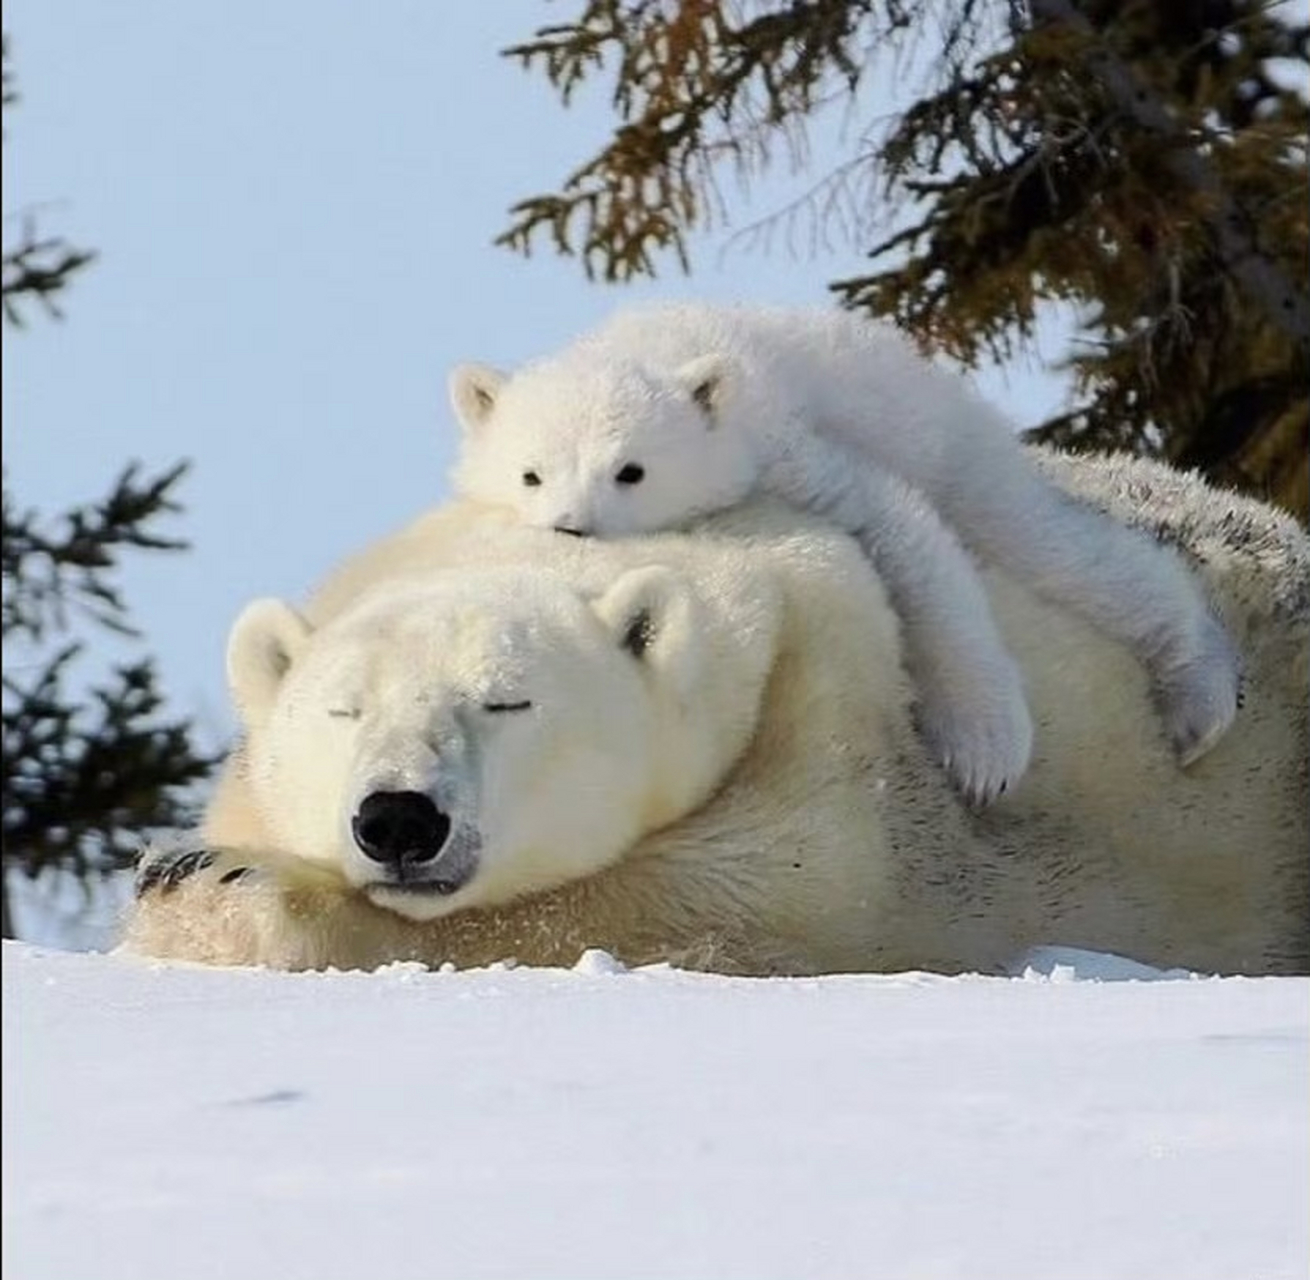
(1076, 1121)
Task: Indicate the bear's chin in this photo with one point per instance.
(418, 902)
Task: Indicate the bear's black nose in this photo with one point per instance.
(399, 828)
(571, 531)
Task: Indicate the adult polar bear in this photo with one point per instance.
(755, 798)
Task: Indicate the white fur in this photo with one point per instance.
(743, 790)
(843, 417)
(525, 695)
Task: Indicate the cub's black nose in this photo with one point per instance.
(399, 828)
(571, 531)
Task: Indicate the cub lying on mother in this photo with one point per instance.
(667, 414)
(482, 741)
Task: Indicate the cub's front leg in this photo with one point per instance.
(236, 907)
(971, 707)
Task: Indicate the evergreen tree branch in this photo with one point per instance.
(37, 269)
(1284, 303)
(87, 771)
(85, 779)
(47, 572)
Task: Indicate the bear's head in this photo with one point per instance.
(471, 737)
(594, 443)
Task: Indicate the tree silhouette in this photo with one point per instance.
(86, 766)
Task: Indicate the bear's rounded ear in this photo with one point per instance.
(264, 643)
(473, 392)
(706, 380)
(654, 616)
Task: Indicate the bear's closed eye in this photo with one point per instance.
(507, 706)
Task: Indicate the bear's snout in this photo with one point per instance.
(399, 828)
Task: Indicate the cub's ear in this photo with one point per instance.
(654, 616)
(473, 392)
(265, 641)
(707, 379)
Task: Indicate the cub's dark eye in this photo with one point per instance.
(630, 473)
(531, 479)
(525, 705)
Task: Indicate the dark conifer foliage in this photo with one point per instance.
(88, 765)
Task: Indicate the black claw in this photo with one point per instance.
(166, 874)
(187, 865)
(148, 877)
(237, 873)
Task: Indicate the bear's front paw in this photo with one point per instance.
(161, 870)
(220, 905)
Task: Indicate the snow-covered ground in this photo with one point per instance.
(176, 1123)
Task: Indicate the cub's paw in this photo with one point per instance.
(984, 747)
(1199, 697)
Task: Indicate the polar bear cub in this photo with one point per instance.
(667, 413)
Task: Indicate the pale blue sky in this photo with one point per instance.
(294, 205)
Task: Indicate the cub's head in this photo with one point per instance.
(597, 445)
(474, 737)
